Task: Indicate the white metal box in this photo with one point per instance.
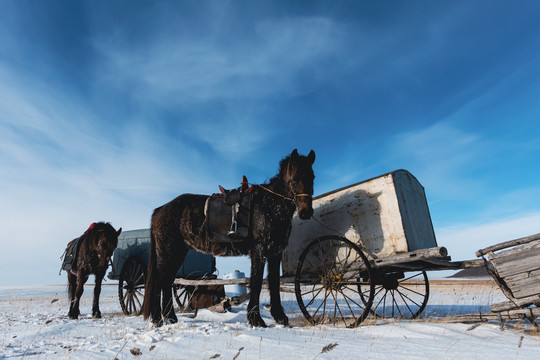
(387, 214)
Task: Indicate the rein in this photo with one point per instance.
(293, 199)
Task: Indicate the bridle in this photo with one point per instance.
(292, 199)
(100, 253)
(295, 195)
(291, 187)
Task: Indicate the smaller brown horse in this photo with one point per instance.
(89, 254)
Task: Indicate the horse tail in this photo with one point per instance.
(151, 293)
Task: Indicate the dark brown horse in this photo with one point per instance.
(176, 228)
(89, 254)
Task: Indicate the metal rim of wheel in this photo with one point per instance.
(333, 282)
(131, 286)
(400, 295)
(182, 295)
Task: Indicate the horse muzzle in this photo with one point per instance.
(304, 206)
(305, 214)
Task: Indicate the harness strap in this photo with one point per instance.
(283, 196)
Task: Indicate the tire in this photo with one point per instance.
(131, 286)
(400, 295)
(333, 282)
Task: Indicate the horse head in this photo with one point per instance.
(299, 176)
(105, 241)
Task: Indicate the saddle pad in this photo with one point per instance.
(219, 218)
(70, 257)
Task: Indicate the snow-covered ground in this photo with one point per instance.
(34, 325)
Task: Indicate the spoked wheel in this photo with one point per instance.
(182, 295)
(333, 282)
(131, 286)
(401, 295)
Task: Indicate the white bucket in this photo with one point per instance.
(235, 290)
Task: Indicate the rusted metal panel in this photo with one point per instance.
(387, 214)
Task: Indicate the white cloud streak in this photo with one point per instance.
(192, 71)
(179, 73)
(61, 169)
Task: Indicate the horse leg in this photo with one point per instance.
(273, 283)
(257, 270)
(167, 298)
(97, 290)
(72, 281)
(74, 310)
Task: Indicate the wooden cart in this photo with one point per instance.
(367, 251)
(515, 266)
(370, 248)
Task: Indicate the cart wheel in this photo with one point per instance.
(131, 286)
(182, 295)
(400, 295)
(333, 282)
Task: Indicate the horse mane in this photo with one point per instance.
(277, 182)
(95, 228)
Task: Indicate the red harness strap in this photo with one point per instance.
(90, 227)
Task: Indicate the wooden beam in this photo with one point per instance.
(518, 263)
(515, 303)
(436, 252)
(484, 317)
(476, 263)
(508, 244)
(186, 282)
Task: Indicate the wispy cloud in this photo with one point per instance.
(203, 72)
(204, 69)
(61, 168)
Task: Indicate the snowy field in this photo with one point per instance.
(34, 325)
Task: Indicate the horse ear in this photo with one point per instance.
(311, 157)
(294, 154)
(118, 232)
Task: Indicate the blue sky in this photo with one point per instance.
(110, 109)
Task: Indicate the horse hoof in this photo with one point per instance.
(256, 321)
(157, 324)
(97, 315)
(284, 321)
(170, 321)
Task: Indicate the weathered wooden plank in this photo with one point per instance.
(287, 280)
(509, 268)
(505, 315)
(186, 282)
(435, 252)
(523, 275)
(515, 303)
(525, 279)
(468, 264)
(508, 244)
(525, 292)
(523, 287)
(518, 251)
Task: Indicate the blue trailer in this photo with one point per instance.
(130, 263)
